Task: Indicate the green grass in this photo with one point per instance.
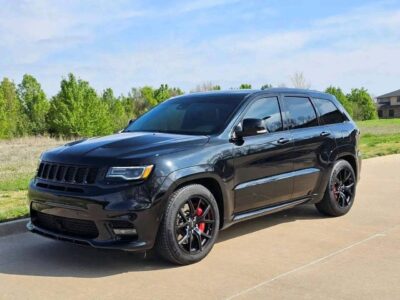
(13, 205)
(379, 137)
(18, 184)
(19, 158)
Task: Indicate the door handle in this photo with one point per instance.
(282, 141)
(325, 133)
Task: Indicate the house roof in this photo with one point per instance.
(391, 94)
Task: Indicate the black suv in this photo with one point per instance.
(197, 164)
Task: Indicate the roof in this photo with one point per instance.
(246, 92)
(391, 94)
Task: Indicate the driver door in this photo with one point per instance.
(264, 162)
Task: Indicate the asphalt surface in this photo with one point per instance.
(297, 254)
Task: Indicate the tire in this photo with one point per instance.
(340, 192)
(182, 239)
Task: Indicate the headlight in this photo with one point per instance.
(130, 173)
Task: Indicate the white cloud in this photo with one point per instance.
(330, 52)
(358, 48)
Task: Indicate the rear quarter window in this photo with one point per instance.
(329, 113)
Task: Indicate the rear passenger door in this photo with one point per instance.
(333, 120)
(312, 143)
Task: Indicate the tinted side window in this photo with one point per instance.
(329, 114)
(300, 112)
(268, 110)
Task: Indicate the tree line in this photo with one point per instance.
(77, 110)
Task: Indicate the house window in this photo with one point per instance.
(380, 113)
(398, 99)
(391, 113)
(384, 101)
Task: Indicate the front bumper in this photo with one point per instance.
(112, 244)
(67, 216)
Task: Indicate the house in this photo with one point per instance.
(388, 105)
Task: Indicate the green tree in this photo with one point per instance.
(363, 106)
(4, 131)
(245, 86)
(140, 100)
(341, 97)
(148, 95)
(162, 93)
(34, 104)
(77, 111)
(173, 92)
(117, 111)
(11, 120)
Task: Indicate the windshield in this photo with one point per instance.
(193, 114)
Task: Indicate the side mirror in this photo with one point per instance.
(250, 127)
(131, 121)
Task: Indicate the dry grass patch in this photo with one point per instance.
(19, 159)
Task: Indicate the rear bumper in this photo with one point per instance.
(91, 220)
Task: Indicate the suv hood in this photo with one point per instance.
(123, 146)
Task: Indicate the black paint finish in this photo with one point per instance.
(251, 176)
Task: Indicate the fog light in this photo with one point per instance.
(124, 231)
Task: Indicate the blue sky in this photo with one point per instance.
(122, 44)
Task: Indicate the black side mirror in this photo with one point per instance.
(131, 121)
(250, 127)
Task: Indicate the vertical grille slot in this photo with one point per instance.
(46, 169)
(60, 173)
(80, 174)
(52, 171)
(69, 175)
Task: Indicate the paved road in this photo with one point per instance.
(290, 255)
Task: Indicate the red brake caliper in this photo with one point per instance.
(202, 226)
(335, 192)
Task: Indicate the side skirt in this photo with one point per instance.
(267, 210)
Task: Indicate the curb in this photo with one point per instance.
(13, 227)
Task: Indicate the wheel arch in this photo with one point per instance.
(213, 186)
(209, 180)
(350, 154)
(350, 158)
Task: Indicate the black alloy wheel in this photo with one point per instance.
(340, 191)
(190, 225)
(343, 187)
(195, 224)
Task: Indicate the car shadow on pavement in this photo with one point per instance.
(302, 212)
(32, 255)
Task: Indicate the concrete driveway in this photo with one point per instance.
(289, 255)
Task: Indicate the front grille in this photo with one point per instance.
(68, 226)
(67, 173)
